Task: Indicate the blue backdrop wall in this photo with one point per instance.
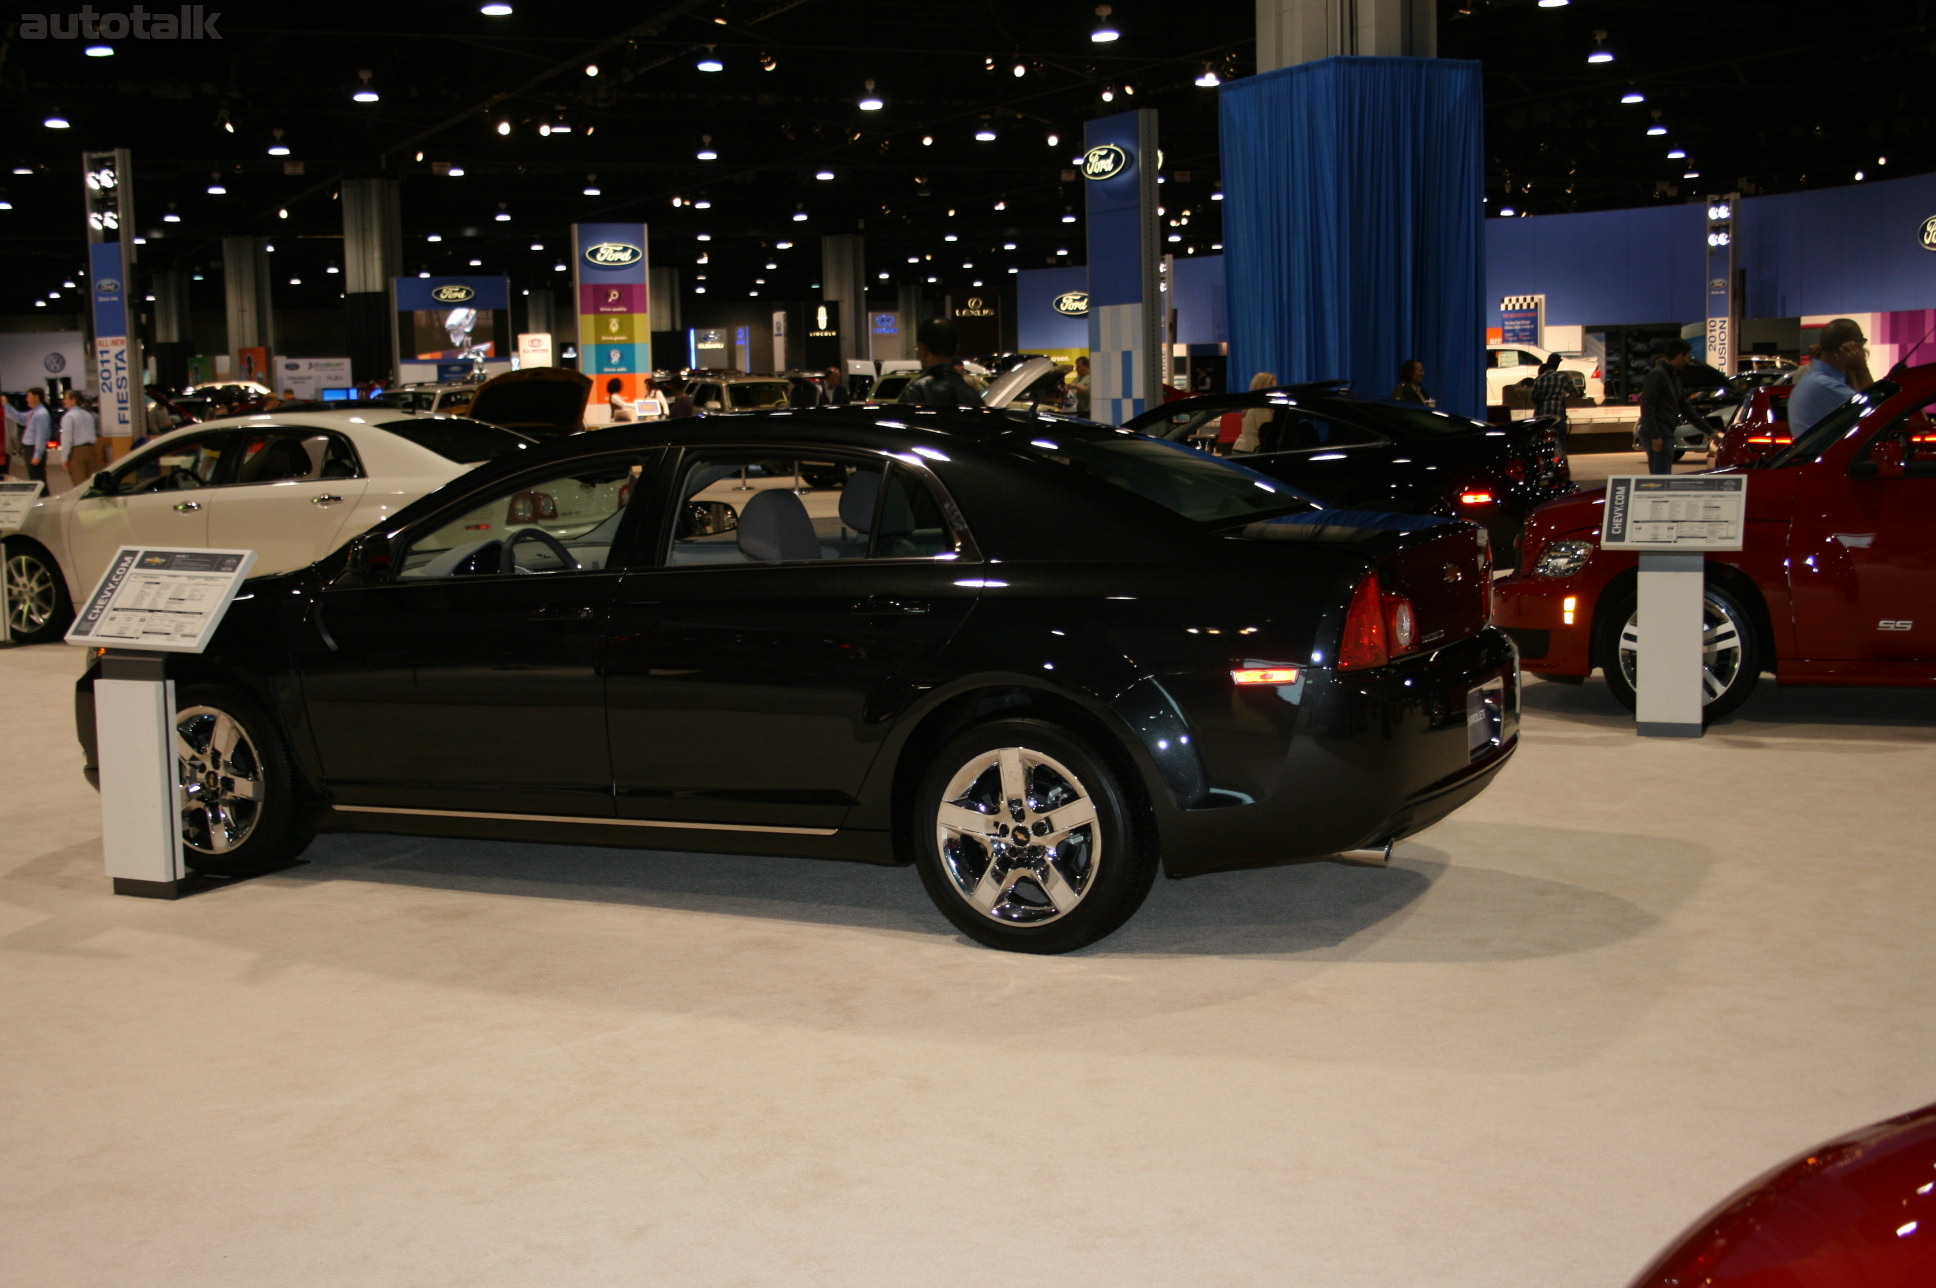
(1037, 324)
(1352, 209)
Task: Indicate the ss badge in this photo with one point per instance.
(1886, 625)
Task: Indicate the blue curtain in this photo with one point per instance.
(1353, 203)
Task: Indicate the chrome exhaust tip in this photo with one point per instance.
(1375, 856)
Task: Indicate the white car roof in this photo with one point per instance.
(384, 454)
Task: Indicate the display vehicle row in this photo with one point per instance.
(1040, 659)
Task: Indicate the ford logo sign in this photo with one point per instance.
(1073, 304)
(1104, 161)
(108, 286)
(1929, 233)
(613, 254)
(452, 293)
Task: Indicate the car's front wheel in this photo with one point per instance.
(1731, 650)
(1028, 840)
(241, 810)
(38, 609)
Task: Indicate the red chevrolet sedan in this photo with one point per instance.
(1835, 584)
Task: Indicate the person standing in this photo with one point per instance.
(1837, 371)
(680, 408)
(1549, 397)
(16, 421)
(37, 431)
(1251, 437)
(834, 389)
(1079, 387)
(939, 384)
(78, 433)
(1660, 407)
(1411, 384)
(652, 402)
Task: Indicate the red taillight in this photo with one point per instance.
(1475, 498)
(1363, 641)
(1401, 623)
(1596, 373)
(1516, 470)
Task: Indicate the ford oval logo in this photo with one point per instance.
(1929, 233)
(1104, 161)
(452, 293)
(108, 285)
(613, 254)
(1073, 304)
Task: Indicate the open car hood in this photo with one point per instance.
(546, 402)
(1007, 387)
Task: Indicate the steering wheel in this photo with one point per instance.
(507, 560)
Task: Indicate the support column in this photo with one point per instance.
(245, 286)
(372, 257)
(174, 329)
(908, 303)
(843, 283)
(1302, 31)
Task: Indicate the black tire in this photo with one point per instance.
(1065, 886)
(241, 809)
(1732, 644)
(37, 601)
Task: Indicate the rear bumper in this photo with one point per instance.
(1375, 756)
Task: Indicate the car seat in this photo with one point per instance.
(858, 507)
(774, 528)
(283, 458)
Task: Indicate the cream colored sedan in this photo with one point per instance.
(290, 487)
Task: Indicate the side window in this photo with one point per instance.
(1914, 436)
(179, 466)
(1302, 433)
(544, 525)
(742, 507)
(280, 455)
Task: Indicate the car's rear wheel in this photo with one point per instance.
(1028, 840)
(241, 811)
(1731, 650)
(38, 609)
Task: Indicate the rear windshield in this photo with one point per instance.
(1196, 485)
(752, 396)
(1422, 421)
(1831, 427)
(467, 442)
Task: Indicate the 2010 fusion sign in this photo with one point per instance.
(613, 254)
(1104, 161)
(1073, 304)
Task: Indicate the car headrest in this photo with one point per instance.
(858, 501)
(774, 527)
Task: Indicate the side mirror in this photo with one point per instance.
(704, 518)
(102, 484)
(1883, 462)
(371, 555)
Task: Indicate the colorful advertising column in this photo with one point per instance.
(614, 313)
(110, 255)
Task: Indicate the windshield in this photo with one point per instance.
(455, 439)
(1196, 485)
(1832, 426)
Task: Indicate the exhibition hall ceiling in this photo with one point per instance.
(504, 129)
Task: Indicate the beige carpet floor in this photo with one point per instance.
(1625, 980)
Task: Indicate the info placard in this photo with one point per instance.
(1674, 512)
(15, 500)
(166, 600)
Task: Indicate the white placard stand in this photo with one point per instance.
(1672, 520)
(149, 603)
(15, 500)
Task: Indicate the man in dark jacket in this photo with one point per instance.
(1660, 407)
(939, 384)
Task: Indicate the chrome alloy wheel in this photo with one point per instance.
(1721, 648)
(31, 596)
(1018, 836)
(221, 780)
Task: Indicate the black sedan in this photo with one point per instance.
(1039, 659)
(1384, 455)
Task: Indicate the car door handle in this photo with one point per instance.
(185, 507)
(561, 613)
(889, 606)
(324, 500)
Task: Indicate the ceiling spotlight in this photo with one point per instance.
(497, 9)
(1633, 96)
(706, 152)
(591, 191)
(1600, 54)
(799, 215)
(364, 92)
(591, 69)
(1055, 140)
(282, 212)
(55, 121)
(503, 127)
(927, 140)
(217, 190)
(1554, 4)
(703, 237)
(768, 64)
(1858, 176)
(559, 268)
(1105, 30)
(502, 216)
(986, 134)
(278, 148)
(1691, 174)
(1008, 245)
(455, 172)
(702, 203)
(1209, 79)
(1108, 94)
(171, 217)
(434, 237)
(709, 61)
(782, 245)
(950, 237)
(823, 175)
(1507, 211)
(537, 245)
(1068, 215)
(1021, 70)
(99, 51)
(1677, 154)
(477, 263)
(1656, 130)
(871, 102)
(332, 269)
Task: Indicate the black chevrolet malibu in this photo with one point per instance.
(1038, 659)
